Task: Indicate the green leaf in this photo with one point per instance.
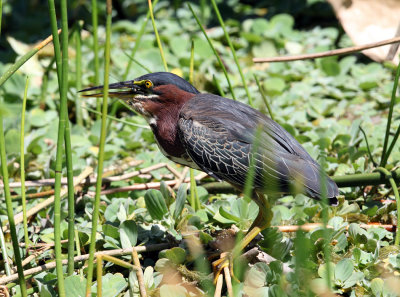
(128, 234)
(323, 271)
(258, 274)
(12, 140)
(75, 286)
(166, 194)
(155, 204)
(228, 216)
(377, 286)
(180, 200)
(353, 279)
(172, 291)
(344, 269)
(110, 230)
(274, 85)
(330, 66)
(163, 265)
(113, 284)
(176, 255)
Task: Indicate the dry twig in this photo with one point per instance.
(139, 274)
(218, 286)
(181, 178)
(19, 217)
(335, 52)
(51, 265)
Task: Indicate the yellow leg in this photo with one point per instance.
(262, 221)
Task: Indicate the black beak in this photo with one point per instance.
(130, 90)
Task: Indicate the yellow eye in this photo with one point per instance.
(148, 84)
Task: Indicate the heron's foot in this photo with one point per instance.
(225, 262)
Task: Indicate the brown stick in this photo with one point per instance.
(228, 279)
(311, 226)
(28, 259)
(19, 217)
(45, 42)
(139, 274)
(146, 186)
(51, 265)
(92, 181)
(335, 52)
(181, 178)
(218, 286)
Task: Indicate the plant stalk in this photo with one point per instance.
(103, 133)
(22, 165)
(385, 153)
(10, 212)
(96, 52)
(221, 21)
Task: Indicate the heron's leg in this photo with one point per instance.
(262, 221)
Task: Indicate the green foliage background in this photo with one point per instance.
(322, 103)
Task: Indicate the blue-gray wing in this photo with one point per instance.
(223, 137)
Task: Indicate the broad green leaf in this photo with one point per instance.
(75, 286)
(110, 230)
(344, 269)
(228, 216)
(12, 141)
(128, 234)
(330, 66)
(172, 291)
(323, 271)
(377, 286)
(180, 200)
(353, 279)
(176, 255)
(113, 284)
(155, 204)
(274, 85)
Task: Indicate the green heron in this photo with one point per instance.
(223, 137)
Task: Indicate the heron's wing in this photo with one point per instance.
(223, 136)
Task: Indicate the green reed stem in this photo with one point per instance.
(60, 139)
(221, 21)
(78, 66)
(194, 196)
(22, 165)
(62, 76)
(385, 153)
(389, 176)
(325, 219)
(249, 182)
(4, 251)
(1, 13)
(131, 59)
(216, 82)
(78, 250)
(221, 64)
(10, 212)
(368, 148)
(103, 133)
(264, 98)
(71, 199)
(118, 120)
(137, 43)
(96, 51)
(191, 63)
(392, 144)
(157, 36)
(99, 272)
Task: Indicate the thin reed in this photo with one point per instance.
(96, 204)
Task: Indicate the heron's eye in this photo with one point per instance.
(148, 84)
